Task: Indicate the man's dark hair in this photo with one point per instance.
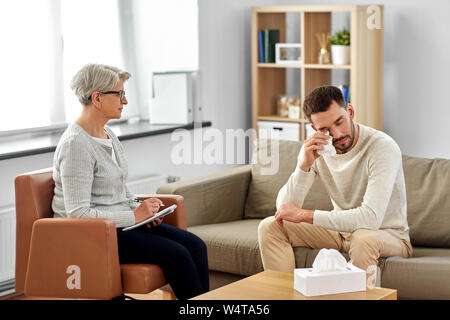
(320, 99)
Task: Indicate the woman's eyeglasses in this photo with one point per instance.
(121, 94)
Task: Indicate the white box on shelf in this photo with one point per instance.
(279, 130)
(317, 284)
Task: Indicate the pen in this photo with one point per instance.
(142, 200)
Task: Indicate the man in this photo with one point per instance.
(364, 180)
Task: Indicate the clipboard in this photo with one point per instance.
(159, 214)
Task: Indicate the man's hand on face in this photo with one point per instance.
(311, 145)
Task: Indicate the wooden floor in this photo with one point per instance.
(154, 295)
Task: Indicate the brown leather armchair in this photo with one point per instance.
(47, 249)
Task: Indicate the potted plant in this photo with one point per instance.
(340, 47)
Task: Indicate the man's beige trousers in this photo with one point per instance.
(363, 246)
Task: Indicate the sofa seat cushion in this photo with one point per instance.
(232, 246)
(426, 275)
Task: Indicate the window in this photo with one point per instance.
(91, 33)
(46, 44)
(29, 74)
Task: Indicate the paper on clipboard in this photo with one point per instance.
(159, 214)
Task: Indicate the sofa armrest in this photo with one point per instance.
(215, 198)
(73, 258)
(178, 217)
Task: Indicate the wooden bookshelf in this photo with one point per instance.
(365, 68)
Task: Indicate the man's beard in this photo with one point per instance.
(344, 148)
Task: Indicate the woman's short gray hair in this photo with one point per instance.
(96, 77)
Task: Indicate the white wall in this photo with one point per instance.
(225, 65)
(416, 67)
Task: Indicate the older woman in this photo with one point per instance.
(90, 172)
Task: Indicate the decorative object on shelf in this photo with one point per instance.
(282, 106)
(294, 112)
(288, 53)
(324, 55)
(340, 47)
(288, 106)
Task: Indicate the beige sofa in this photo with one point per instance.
(224, 209)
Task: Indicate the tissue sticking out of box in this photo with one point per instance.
(328, 260)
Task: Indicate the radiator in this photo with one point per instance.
(148, 184)
(7, 243)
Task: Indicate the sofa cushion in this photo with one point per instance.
(426, 275)
(263, 188)
(222, 193)
(232, 246)
(428, 200)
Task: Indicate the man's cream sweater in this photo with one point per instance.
(366, 186)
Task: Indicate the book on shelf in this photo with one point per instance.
(345, 92)
(261, 46)
(267, 39)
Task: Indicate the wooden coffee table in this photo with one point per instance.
(276, 285)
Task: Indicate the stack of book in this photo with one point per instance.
(345, 92)
(267, 39)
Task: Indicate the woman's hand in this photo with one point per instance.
(155, 203)
(147, 209)
(154, 223)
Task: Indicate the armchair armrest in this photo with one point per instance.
(216, 198)
(178, 217)
(73, 258)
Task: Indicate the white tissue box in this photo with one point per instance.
(317, 284)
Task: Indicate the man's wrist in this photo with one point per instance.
(304, 168)
(307, 216)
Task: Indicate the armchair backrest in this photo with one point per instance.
(34, 194)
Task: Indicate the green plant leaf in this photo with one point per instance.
(340, 38)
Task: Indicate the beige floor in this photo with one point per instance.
(154, 295)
